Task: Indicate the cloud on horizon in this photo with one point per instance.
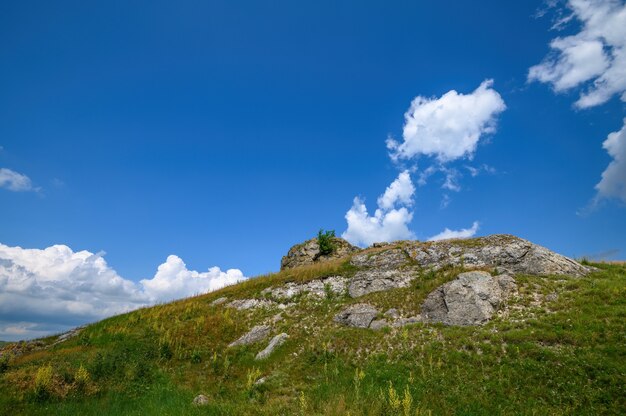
(389, 222)
(54, 289)
(463, 233)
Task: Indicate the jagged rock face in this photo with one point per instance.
(309, 253)
(470, 299)
(515, 254)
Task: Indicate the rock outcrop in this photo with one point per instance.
(256, 334)
(332, 285)
(244, 304)
(309, 253)
(470, 299)
(390, 268)
(500, 250)
(359, 315)
(276, 342)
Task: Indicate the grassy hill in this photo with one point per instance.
(558, 349)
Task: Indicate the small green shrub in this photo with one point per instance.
(325, 242)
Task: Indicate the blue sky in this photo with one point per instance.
(224, 132)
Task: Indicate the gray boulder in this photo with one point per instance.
(359, 315)
(309, 253)
(256, 334)
(470, 299)
(276, 342)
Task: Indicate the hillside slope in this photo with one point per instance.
(553, 345)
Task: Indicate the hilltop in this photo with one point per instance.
(491, 325)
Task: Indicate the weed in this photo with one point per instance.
(43, 383)
(81, 378)
(303, 404)
(407, 402)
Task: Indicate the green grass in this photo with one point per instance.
(542, 355)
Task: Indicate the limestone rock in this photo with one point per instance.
(219, 301)
(383, 260)
(378, 324)
(276, 342)
(392, 313)
(407, 321)
(471, 299)
(243, 304)
(201, 400)
(359, 315)
(505, 252)
(375, 280)
(309, 253)
(507, 284)
(318, 288)
(256, 334)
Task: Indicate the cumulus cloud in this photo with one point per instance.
(389, 222)
(463, 233)
(450, 127)
(173, 280)
(14, 181)
(400, 191)
(613, 182)
(594, 57)
(54, 289)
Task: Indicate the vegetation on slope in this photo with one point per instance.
(558, 349)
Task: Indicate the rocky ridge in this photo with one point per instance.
(483, 286)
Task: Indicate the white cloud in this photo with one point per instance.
(595, 56)
(14, 181)
(448, 127)
(613, 182)
(173, 280)
(54, 289)
(399, 192)
(463, 233)
(364, 230)
(389, 222)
